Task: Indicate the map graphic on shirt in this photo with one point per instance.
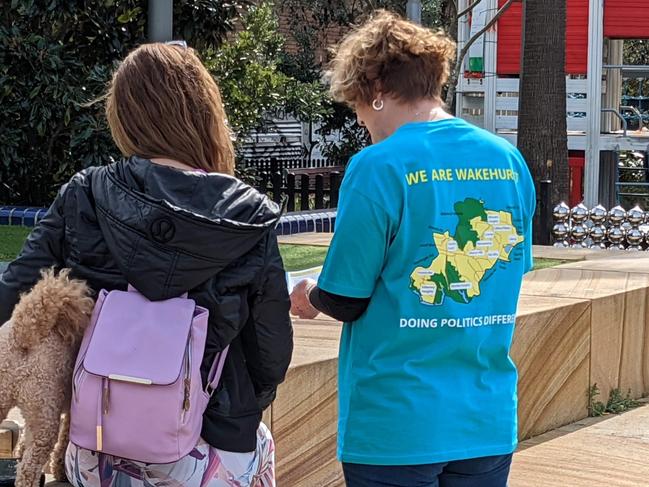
(483, 237)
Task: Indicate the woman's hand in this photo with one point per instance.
(300, 304)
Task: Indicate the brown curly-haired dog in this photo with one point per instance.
(38, 348)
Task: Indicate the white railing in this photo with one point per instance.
(507, 104)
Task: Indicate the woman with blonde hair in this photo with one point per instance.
(170, 218)
(432, 238)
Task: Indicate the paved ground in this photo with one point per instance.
(611, 451)
(317, 239)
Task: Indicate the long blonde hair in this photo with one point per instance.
(162, 102)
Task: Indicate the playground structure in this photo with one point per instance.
(604, 118)
(600, 229)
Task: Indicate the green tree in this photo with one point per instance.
(248, 71)
(636, 51)
(57, 55)
(206, 24)
(53, 58)
(440, 14)
(314, 24)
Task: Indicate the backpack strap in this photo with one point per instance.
(131, 289)
(217, 369)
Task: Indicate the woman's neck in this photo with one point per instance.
(421, 111)
(163, 161)
(427, 111)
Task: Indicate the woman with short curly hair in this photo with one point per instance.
(432, 238)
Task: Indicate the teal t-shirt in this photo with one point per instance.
(434, 225)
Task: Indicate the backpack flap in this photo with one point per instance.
(136, 340)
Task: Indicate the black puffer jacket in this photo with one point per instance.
(167, 232)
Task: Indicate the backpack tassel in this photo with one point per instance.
(105, 395)
(102, 408)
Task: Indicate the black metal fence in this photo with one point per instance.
(274, 164)
(301, 184)
(302, 192)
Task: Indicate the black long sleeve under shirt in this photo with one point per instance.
(341, 308)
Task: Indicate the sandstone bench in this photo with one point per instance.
(579, 324)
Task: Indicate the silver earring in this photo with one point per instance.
(377, 105)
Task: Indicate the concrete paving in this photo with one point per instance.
(311, 238)
(610, 451)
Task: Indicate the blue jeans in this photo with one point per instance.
(475, 472)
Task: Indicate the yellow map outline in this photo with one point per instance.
(493, 240)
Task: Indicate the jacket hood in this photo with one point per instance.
(171, 230)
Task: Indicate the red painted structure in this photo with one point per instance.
(509, 28)
(509, 38)
(626, 19)
(576, 163)
(623, 19)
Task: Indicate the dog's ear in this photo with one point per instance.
(56, 304)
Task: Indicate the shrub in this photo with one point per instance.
(56, 56)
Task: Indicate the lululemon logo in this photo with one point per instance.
(162, 230)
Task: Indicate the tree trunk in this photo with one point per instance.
(542, 135)
(448, 13)
(449, 18)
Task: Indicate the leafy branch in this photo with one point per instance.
(452, 82)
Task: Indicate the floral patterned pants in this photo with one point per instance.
(205, 466)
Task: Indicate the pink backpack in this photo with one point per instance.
(137, 391)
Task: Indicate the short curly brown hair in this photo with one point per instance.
(393, 56)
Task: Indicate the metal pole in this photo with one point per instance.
(490, 63)
(160, 20)
(413, 10)
(594, 116)
(544, 232)
(462, 38)
(627, 67)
